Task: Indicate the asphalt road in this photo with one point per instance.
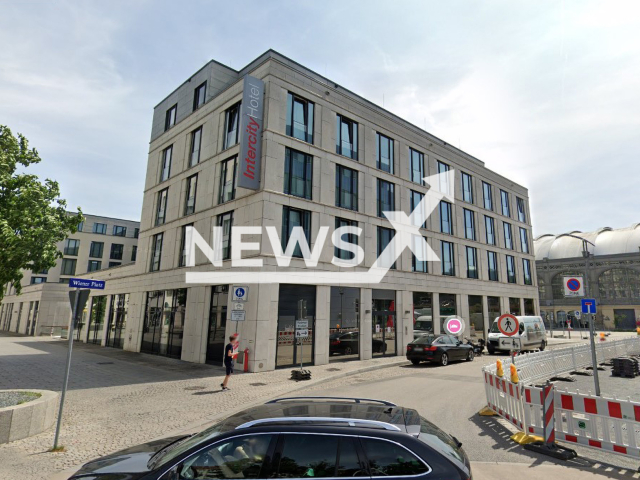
(451, 397)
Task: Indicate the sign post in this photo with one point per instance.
(78, 299)
(589, 308)
(302, 326)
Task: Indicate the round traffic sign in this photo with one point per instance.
(573, 284)
(240, 292)
(454, 325)
(508, 324)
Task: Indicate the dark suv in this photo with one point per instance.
(315, 437)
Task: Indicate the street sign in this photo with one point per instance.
(302, 333)
(238, 315)
(238, 306)
(577, 314)
(511, 343)
(508, 324)
(82, 297)
(240, 294)
(86, 283)
(302, 324)
(588, 305)
(573, 287)
(454, 326)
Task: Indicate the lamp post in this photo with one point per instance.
(548, 283)
(587, 285)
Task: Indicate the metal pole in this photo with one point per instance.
(594, 360)
(66, 373)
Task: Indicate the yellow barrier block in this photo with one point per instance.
(522, 438)
(499, 370)
(487, 412)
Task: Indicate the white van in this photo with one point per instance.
(532, 335)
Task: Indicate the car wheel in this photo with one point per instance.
(347, 351)
(444, 360)
(470, 355)
(415, 362)
(542, 346)
(491, 350)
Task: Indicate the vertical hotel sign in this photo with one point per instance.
(251, 131)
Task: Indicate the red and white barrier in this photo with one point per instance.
(504, 398)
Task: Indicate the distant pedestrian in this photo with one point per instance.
(230, 354)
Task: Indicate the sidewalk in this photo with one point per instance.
(522, 471)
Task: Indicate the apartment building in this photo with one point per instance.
(322, 156)
(100, 243)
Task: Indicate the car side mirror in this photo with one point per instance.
(458, 342)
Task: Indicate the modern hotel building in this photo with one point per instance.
(321, 156)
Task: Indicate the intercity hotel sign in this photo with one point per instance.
(251, 133)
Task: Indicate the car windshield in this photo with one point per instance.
(494, 328)
(333, 336)
(433, 436)
(176, 449)
(423, 325)
(424, 340)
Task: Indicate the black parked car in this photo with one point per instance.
(438, 348)
(295, 438)
(346, 343)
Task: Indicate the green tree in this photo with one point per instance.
(33, 219)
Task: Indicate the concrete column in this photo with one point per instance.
(105, 322)
(263, 356)
(462, 305)
(135, 321)
(436, 313)
(366, 337)
(504, 305)
(485, 315)
(194, 320)
(404, 320)
(203, 339)
(321, 333)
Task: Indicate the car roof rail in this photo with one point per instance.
(353, 399)
(352, 422)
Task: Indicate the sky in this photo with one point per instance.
(546, 93)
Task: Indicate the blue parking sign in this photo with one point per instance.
(588, 305)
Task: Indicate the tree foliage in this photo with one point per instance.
(33, 219)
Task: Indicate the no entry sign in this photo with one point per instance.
(508, 324)
(573, 287)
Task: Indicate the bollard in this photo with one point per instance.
(514, 374)
(602, 337)
(499, 370)
(246, 359)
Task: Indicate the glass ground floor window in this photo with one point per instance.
(216, 340)
(383, 323)
(295, 302)
(344, 324)
(493, 305)
(96, 319)
(447, 307)
(529, 308)
(164, 322)
(422, 313)
(476, 317)
(117, 320)
(514, 306)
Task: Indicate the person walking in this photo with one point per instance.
(230, 354)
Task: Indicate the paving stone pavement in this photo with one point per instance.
(117, 399)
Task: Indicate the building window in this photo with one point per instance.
(347, 237)
(96, 249)
(419, 265)
(417, 166)
(182, 259)
(293, 217)
(526, 270)
(228, 180)
(196, 141)
(508, 238)
(136, 232)
(170, 117)
(68, 266)
(511, 269)
(493, 266)
(119, 231)
(524, 240)
(80, 226)
(346, 188)
(117, 250)
(231, 129)
(190, 195)
(100, 228)
(469, 225)
(156, 252)
(94, 265)
(490, 227)
(415, 199)
(467, 187)
(446, 219)
(386, 197)
(114, 264)
(386, 259)
(71, 247)
(298, 173)
(134, 253)
(488, 196)
(199, 95)
(506, 210)
(226, 222)
(37, 280)
(522, 216)
(443, 181)
(447, 260)
(299, 118)
(165, 171)
(161, 207)
(347, 137)
(472, 262)
(384, 152)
